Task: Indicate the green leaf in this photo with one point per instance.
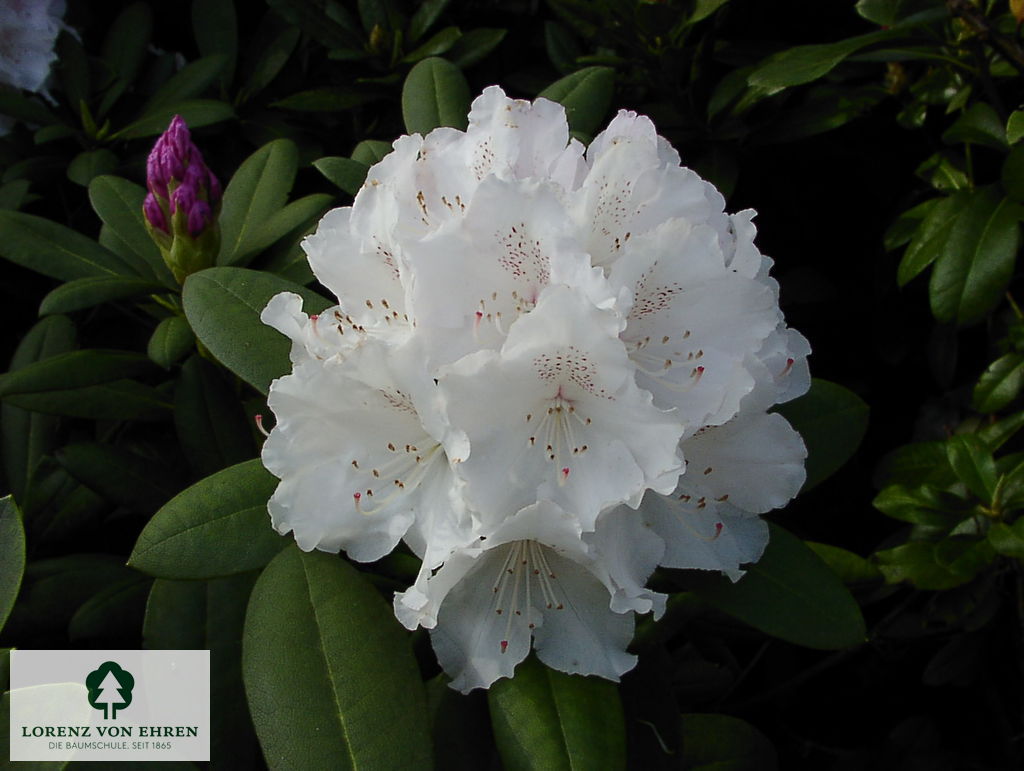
(89, 164)
(25, 437)
(273, 55)
(223, 306)
(348, 694)
(906, 225)
(832, 421)
(115, 400)
(851, 568)
(996, 434)
(188, 83)
(53, 589)
(23, 108)
(914, 464)
(974, 465)
(724, 743)
(704, 8)
(1000, 383)
(170, 341)
(115, 611)
(474, 45)
(256, 192)
(921, 505)
(586, 95)
(437, 45)
(71, 370)
(197, 615)
(435, 93)
(326, 99)
(930, 238)
(195, 112)
(428, 12)
(118, 203)
(211, 424)
(978, 124)
(548, 720)
(12, 194)
(12, 556)
(977, 262)
(1015, 127)
(329, 22)
(916, 563)
(122, 477)
(125, 44)
(346, 173)
(790, 594)
(1007, 540)
(370, 151)
(215, 27)
(1012, 174)
(287, 219)
(562, 47)
(806, 63)
(217, 527)
(95, 290)
(56, 251)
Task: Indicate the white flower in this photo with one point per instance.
(549, 371)
(28, 31)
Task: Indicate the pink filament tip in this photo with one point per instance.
(788, 367)
(259, 424)
(504, 645)
(718, 529)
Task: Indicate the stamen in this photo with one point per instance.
(788, 367)
(259, 424)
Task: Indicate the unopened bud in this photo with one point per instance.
(183, 201)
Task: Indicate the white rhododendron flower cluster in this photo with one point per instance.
(548, 372)
(28, 31)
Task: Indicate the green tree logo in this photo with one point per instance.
(110, 688)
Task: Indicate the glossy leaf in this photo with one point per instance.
(370, 151)
(217, 527)
(1007, 540)
(195, 112)
(973, 463)
(1015, 127)
(851, 568)
(548, 720)
(437, 45)
(921, 505)
(832, 421)
(74, 369)
(916, 563)
(49, 248)
(806, 63)
(287, 219)
(211, 425)
(725, 743)
(114, 612)
(197, 615)
(346, 173)
(257, 191)
(930, 238)
(348, 694)
(25, 437)
(127, 39)
(95, 290)
(171, 341)
(188, 83)
(977, 261)
(474, 45)
(906, 225)
(586, 95)
(790, 594)
(326, 99)
(89, 164)
(273, 54)
(12, 556)
(978, 124)
(1012, 174)
(215, 26)
(114, 400)
(1000, 383)
(435, 93)
(118, 203)
(120, 476)
(223, 306)
(427, 13)
(561, 46)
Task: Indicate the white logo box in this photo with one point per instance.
(110, 705)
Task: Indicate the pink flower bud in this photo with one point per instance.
(154, 214)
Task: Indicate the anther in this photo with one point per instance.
(259, 424)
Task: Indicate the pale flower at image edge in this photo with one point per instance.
(549, 371)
